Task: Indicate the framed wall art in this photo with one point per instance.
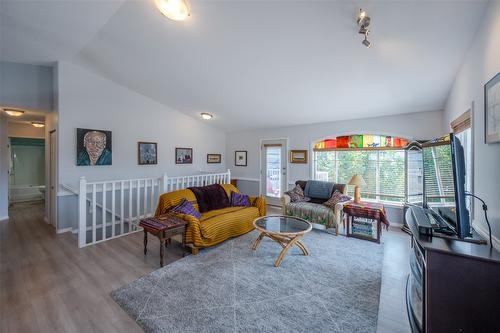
(214, 158)
(240, 158)
(492, 110)
(147, 153)
(298, 156)
(183, 155)
(93, 147)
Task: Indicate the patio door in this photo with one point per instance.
(273, 170)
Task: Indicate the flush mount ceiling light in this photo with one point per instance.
(37, 124)
(14, 113)
(177, 10)
(206, 116)
(363, 23)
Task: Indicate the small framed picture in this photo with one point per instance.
(240, 158)
(492, 110)
(298, 156)
(214, 158)
(147, 153)
(183, 155)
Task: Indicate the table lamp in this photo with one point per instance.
(357, 181)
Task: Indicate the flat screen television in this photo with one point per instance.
(444, 182)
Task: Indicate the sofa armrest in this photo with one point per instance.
(285, 200)
(260, 203)
(190, 219)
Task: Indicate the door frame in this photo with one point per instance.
(52, 180)
(287, 164)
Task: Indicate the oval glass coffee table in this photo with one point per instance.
(285, 230)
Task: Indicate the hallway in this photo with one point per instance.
(48, 284)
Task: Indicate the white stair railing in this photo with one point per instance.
(110, 209)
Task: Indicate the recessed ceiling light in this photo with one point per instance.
(177, 10)
(206, 116)
(14, 113)
(37, 124)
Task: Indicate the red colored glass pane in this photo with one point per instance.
(343, 142)
(331, 143)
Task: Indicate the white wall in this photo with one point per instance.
(4, 169)
(24, 130)
(86, 100)
(480, 65)
(26, 86)
(423, 125)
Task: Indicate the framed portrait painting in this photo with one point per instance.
(492, 110)
(93, 147)
(240, 158)
(147, 153)
(214, 158)
(183, 155)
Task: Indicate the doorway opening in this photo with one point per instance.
(273, 170)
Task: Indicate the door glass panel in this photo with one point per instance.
(273, 171)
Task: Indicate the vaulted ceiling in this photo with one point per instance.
(256, 63)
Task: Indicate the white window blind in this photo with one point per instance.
(382, 170)
(438, 175)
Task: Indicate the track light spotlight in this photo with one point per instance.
(366, 42)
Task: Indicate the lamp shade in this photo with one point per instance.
(357, 180)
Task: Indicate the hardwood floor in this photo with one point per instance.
(48, 284)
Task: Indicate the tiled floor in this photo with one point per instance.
(48, 284)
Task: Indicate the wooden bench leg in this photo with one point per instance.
(145, 242)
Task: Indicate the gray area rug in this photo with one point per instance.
(230, 288)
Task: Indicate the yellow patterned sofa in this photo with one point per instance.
(217, 225)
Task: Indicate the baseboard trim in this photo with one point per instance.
(247, 179)
(484, 233)
(63, 230)
(4, 218)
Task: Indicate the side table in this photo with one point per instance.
(367, 213)
(164, 227)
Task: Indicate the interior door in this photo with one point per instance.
(52, 194)
(273, 170)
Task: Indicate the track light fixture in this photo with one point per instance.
(363, 23)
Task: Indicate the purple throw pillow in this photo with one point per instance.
(336, 198)
(297, 194)
(185, 207)
(240, 200)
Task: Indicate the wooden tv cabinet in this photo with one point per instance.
(454, 286)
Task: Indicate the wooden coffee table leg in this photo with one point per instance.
(162, 251)
(302, 247)
(283, 252)
(145, 242)
(257, 241)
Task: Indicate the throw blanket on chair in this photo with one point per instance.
(318, 189)
(210, 197)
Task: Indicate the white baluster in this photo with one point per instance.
(94, 227)
(82, 213)
(138, 204)
(113, 211)
(130, 194)
(152, 195)
(145, 201)
(104, 215)
(122, 208)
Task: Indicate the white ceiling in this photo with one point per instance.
(257, 63)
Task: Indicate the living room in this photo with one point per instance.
(134, 107)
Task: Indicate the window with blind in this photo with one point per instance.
(383, 171)
(438, 175)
